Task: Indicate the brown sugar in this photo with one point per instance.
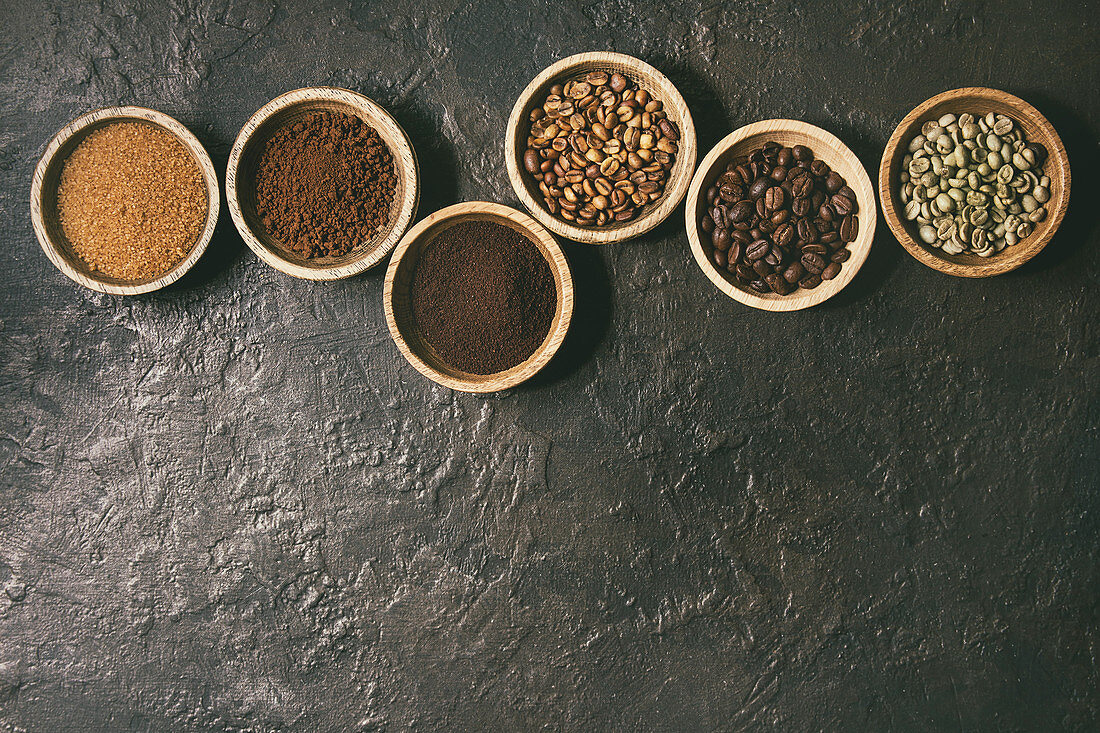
(131, 201)
(325, 184)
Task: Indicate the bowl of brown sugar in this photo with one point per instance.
(124, 200)
(321, 183)
(478, 297)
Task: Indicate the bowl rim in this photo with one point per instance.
(563, 314)
(405, 162)
(1023, 251)
(101, 117)
(860, 248)
(673, 194)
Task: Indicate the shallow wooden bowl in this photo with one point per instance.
(646, 77)
(240, 189)
(788, 133)
(399, 315)
(47, 177)
(977, 101)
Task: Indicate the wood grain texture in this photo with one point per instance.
(827, 147)
(47, 175)
(647, 78)
(399, 279)
(977, 101)
(240, 188)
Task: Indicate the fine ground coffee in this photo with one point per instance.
(483, 297)
(325, 184)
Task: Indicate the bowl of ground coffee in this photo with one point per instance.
(124, 200)
(478, 297)
(322, 183)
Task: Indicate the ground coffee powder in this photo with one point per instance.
(325, 184)
(483, 297)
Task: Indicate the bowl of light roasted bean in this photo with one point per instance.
(600, 147)
(974, 182)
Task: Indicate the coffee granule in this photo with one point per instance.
(131, 201)
(483, 297)
(325, 184)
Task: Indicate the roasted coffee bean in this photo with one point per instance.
(772, 206)
(758, 187)
(849, 227)
(794, 272)
(814, 263)
(756, 250)
(831, 270)
(774, 198)
(720, 258)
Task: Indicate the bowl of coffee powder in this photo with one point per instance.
(478, 297)
(321, 183)
(124, 200)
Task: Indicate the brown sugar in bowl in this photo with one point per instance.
(45, 218)
(402, 325)
(825, 146)
(977, 101)
(240, 190)
(646, 77)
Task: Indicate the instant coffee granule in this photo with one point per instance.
(131, 201)
(483, 297)
(325, 184)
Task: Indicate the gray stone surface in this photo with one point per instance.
(231, 505)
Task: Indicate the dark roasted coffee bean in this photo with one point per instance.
(809, 282)
(815, 248)
(730, 193)
(806, 231)
(842, 204)
(849, 228)
(841, 255)
(818, 199)
(766, 226)
(820, 168)
(784, 234)
(761, 208)
(802, 154)
(761, 268)
(720, 239)
(745, 272)
(774, 256)
(801, 206)
(739, 236)
(758, 187)
(826, 213)
(745, 174)
(780, 216)
(784, 158)
(756, 250)
(720, 258)
(707, 225)
(778, 174)
(831, 270)
(814, 263)
(794, 272)
(759, 286)
(756, 233)
(831, 238)
(774, 198)
(778, 284)
(741, 211)
(802, 185)
(734, 252)
(834, 182)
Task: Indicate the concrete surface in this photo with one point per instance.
(232, 506)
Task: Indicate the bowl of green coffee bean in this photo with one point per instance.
(974, 182)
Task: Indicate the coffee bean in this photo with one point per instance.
(807, 232)
(809, 282)
(831, 270)
(720, 239)
(774, 198)
(842, 204)
(841, 255)
(756, 250)
(720, 258)
(815, 249)
(784, 234)
(849, 227)
(761, 268)
(834, 182)
(774, 257)
(759, 286)
(794, 272)
(758, 187)
(814, 263)
(741, 211)
(802, 153)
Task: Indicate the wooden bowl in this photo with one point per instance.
(399, 314)
(47, 176)
(646, 77)
(240, 190)
(977, 101)
(788, 133)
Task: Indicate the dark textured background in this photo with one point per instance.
(231, 505)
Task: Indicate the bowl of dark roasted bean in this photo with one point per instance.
(780, 215)
(974, 182)
(600, 147)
